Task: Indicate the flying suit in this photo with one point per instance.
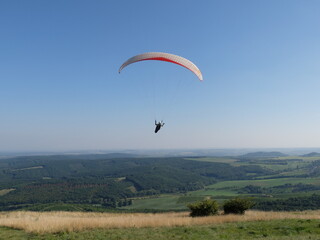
(158, 126)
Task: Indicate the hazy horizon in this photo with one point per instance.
(167, 152)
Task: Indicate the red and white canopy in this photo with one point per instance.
(167, 57)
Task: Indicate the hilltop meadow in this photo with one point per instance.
(133, 197)
(79, 225)
(76, 225)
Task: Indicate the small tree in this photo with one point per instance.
(237, 206)
(203, 208)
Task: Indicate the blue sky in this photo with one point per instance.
(60, 88)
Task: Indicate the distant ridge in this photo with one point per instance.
(263, 155)
(312, 154)
(75, 156)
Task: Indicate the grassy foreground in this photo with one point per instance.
(269, 230)
(87, 226)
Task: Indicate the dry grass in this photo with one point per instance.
(51, 222)
(5, 191)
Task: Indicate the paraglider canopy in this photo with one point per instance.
(167, 57)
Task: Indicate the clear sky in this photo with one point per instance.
(60, 88)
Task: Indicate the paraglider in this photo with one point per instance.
(158, 125)
(167, 57)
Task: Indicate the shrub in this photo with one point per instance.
(203, 208)
(237, 206)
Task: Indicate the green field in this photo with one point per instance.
(214, 159)
(291, 170)
(221, 191)
(268, 230)
(263, 182)
(293, 162)
(287, 170)
(163, 202)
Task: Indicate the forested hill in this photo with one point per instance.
(312, 154)
(58, 167)
(101, 180)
